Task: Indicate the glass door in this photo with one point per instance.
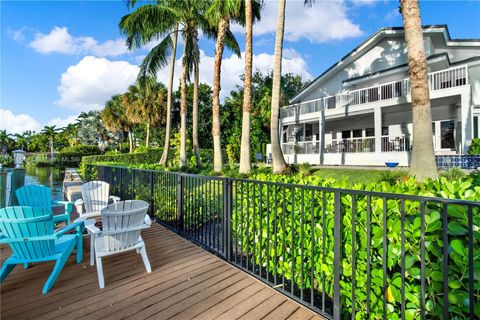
(447, 134)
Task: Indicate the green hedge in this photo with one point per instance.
(151, 156)
(260, 228)
(474, 147)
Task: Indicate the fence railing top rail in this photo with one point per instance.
(376, 194)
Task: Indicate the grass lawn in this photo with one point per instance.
(350, 175)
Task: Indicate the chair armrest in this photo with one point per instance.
(148, 221)
(91, 227)
(115, 199)
(70, 227)
(68, 205)
(79, 202)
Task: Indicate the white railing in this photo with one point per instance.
(351, 145)
(395, 143)
(439, 80)
(306, 147)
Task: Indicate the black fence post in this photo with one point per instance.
(152, 200)
(132, 195)
(179, 203)
(227, 216)
(337, 254)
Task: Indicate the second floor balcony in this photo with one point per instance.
(439, 80)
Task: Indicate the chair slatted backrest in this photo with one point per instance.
(95, 195)
(28, 224)
(121, 218)
(35, 196)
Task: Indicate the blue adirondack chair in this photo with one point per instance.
(41, 197)
(29, 232)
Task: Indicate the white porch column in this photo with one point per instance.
(377, 118)
(321, 136)
(466, 122)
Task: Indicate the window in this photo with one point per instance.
(476, 127)
(346, 134)
(331, 102)
(369, 132)
(384, 131)
(357, 133)
(447, 134)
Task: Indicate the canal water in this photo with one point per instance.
(50, 177)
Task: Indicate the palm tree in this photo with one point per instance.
(21, 140)
(422, 164)
(50, 132)
(161, 21)
(278, 162)
(245, 165)
(168, 125)
(145, 103)
(221, 12)
(5, 139)
(115, 119)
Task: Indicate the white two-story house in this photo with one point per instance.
(358, 112)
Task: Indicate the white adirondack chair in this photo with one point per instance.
(122, 223)
(95, 197)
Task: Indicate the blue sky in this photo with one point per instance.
(59, 58)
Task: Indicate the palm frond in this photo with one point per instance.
(156, 58)
(231, 43)
(148, 22)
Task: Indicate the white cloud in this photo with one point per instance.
(88, 84)
(322, 22)
(233, 67)
(62, 122)
(17, 123)
(59, 40)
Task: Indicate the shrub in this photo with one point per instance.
(152, 156)
(393, 176)
(454, 173)
(232, 157)
(279, 229)
(474, 147)
(304, 169)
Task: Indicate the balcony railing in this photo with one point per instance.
(351, 145)
(307, 147)
(439, 80)
(395, 143)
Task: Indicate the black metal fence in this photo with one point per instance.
(342, 253)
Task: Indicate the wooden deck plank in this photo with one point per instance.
(186, 283)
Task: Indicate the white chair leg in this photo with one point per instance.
(146, 262)
(92, 250)
(101, 281)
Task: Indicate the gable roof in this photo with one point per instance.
(377, 37)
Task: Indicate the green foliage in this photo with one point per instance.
(285, 223)
(279, 229)
(393, 176)
(152, 156)
(232, 156)
(474, 147)
(454, 173)
(305, 169)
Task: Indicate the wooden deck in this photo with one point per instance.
(187, 282)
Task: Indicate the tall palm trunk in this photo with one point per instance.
(245, 144)
(217, 147)
(147, 138)
(183, 111)
(51, 148)
(166, 146)
(130, 141)
(279, 164)
(196, 146)
(422, 164)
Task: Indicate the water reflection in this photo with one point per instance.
(51, 177)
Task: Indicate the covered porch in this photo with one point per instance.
(374, 136)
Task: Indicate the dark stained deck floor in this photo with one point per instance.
(187, 282)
